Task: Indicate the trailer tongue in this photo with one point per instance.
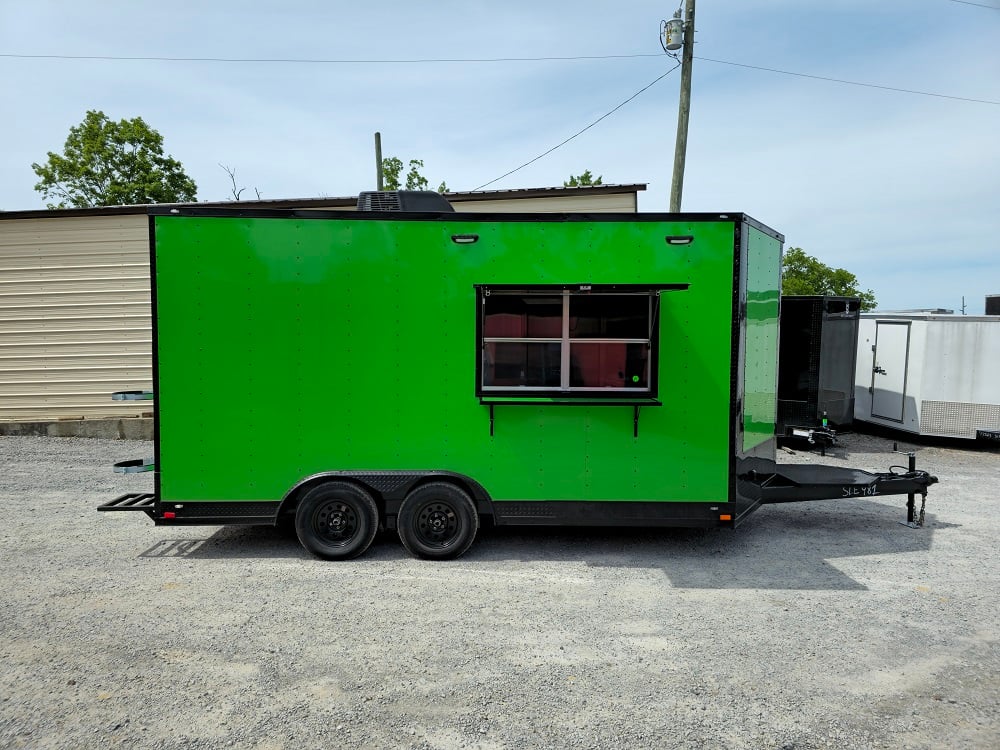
(791, 483)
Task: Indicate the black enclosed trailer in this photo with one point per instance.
(818, 350)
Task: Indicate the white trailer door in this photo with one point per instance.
(892, 343)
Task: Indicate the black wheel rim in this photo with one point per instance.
(437, 524)
(336, 522)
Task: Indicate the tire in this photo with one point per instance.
(336, 520)
(437, 521)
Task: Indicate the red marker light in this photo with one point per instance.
(169, 515)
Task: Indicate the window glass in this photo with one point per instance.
(607, 365)
(514, 316)
(603, 316)
(522, 364)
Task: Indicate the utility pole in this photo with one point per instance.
(378, 160)
(684, 109)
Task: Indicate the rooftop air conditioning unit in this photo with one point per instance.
(403, 200)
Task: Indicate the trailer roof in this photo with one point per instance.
(931, 316)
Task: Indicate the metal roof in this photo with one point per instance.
(351, 202)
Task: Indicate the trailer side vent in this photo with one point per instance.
(403, 200)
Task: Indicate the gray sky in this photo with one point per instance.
(899, 188)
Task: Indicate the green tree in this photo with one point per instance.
(804, 274)
(107, 163)
(392, 170)
(584, 180)
(392, 167)
(415, 180)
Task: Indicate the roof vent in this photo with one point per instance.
(403, 200)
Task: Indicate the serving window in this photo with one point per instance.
(558, 342)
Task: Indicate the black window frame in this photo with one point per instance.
(570, 393)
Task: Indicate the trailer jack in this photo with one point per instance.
(910, 505)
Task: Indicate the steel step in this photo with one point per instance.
(143, 501)
(135, 466)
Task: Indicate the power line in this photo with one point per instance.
(851, 83)
(558, 145)
(307, 61)
(981, 5)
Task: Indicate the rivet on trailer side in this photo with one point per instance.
(428, 371)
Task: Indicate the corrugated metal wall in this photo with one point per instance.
(74, 316)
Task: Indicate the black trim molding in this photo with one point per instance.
(613, 513)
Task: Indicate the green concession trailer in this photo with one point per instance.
(430, 371)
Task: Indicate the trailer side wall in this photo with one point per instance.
(291, 346)
(763, 280)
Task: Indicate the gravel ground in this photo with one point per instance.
(813, 625)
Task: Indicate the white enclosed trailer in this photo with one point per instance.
(929, 374)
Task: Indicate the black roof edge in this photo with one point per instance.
(735, 217)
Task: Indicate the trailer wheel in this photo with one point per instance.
(437, 521)
(336, 520)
